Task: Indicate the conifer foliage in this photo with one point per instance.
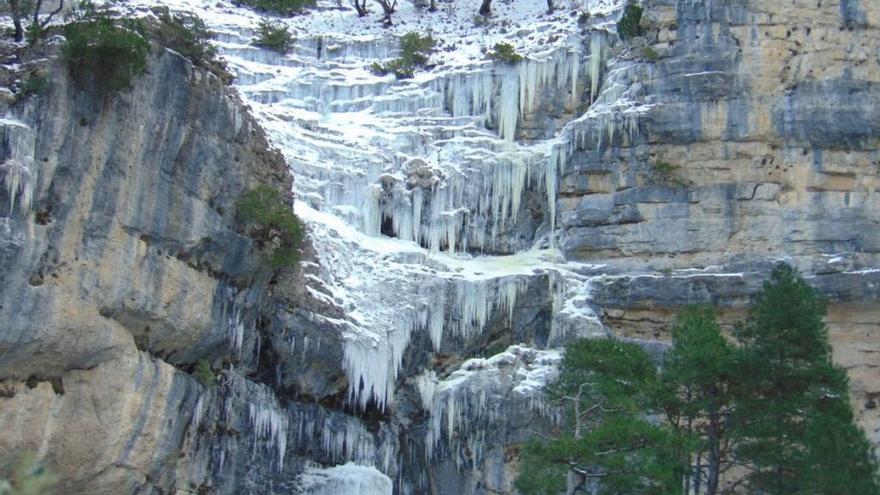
(771, 404)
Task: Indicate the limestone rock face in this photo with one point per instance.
(764, 111)
(747, 134)
(751, 135)
(121, 267)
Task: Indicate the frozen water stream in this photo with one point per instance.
(416, 192)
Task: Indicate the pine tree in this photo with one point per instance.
(612, 443)
(794, 419)
(775, 405)
(696, 395)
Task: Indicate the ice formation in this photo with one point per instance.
(268, 421)
(231, 317)
(466, 406)
(415, 193)
(347, 478)
(340, 438)
(19, 168)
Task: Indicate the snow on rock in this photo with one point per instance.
(467, 405)
(347, 478)
(405, 185)
(391, 289)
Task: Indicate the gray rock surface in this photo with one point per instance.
(751, 138)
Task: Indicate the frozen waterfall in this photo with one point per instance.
(431, 204)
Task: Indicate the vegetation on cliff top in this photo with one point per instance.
(768, 412)
(104, 51)
(186, 34)
(504, 52)
(281, 7)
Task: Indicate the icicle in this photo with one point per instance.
(269, 425)
(465, 406)
(198, 411)
(372, 212)
(19, 169)
(596, 41)
(509, 104)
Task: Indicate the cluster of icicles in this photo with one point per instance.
(468, 210)
(478, 184)
(457, 188)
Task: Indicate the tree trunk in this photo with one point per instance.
(15, 12)
(549, 6)
(486, 8)
(38, 6)
(433, 7)
(714, 461)
(360, 6)
(388, 7)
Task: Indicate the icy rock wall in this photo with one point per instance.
(406, 185)
(18, 168)
(121, 268)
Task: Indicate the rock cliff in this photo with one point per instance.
(595, 188)
(750, 134)
(121, 261)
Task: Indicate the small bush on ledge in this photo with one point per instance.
(272, 223)
(629, 25)
(666, 173)
(504, 52)
(414, 52)
(203, 373)
(650, 54)
(274, 36)
(106, 52)
(280, 7)
(186, 34)
(34, 84)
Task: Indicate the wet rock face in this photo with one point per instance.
(755, 142)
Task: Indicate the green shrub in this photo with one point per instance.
(504, 52)
(103, 51)
(33, 33)
(186, 34)
(629, 25)
(666, 173)
(35, 84)
(398, 67)
(283, 7)
(275, 36)
(650, 54)
(272, 224)
(416, 48)
(203, 373)
(414, 52)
